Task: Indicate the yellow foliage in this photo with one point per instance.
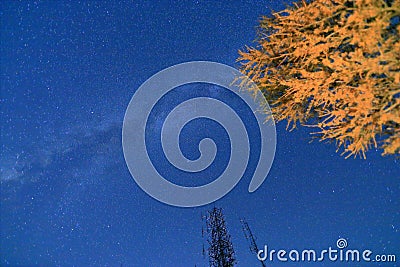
(335, 65)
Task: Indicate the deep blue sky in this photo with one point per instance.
(68, 71)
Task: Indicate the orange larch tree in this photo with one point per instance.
(333, 65)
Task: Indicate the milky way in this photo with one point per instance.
(68, 72)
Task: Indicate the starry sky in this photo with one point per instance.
(68, 72)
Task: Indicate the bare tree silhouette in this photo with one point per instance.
(220, 249)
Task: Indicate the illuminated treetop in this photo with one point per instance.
(334, 65)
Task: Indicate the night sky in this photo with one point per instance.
(68, 72)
